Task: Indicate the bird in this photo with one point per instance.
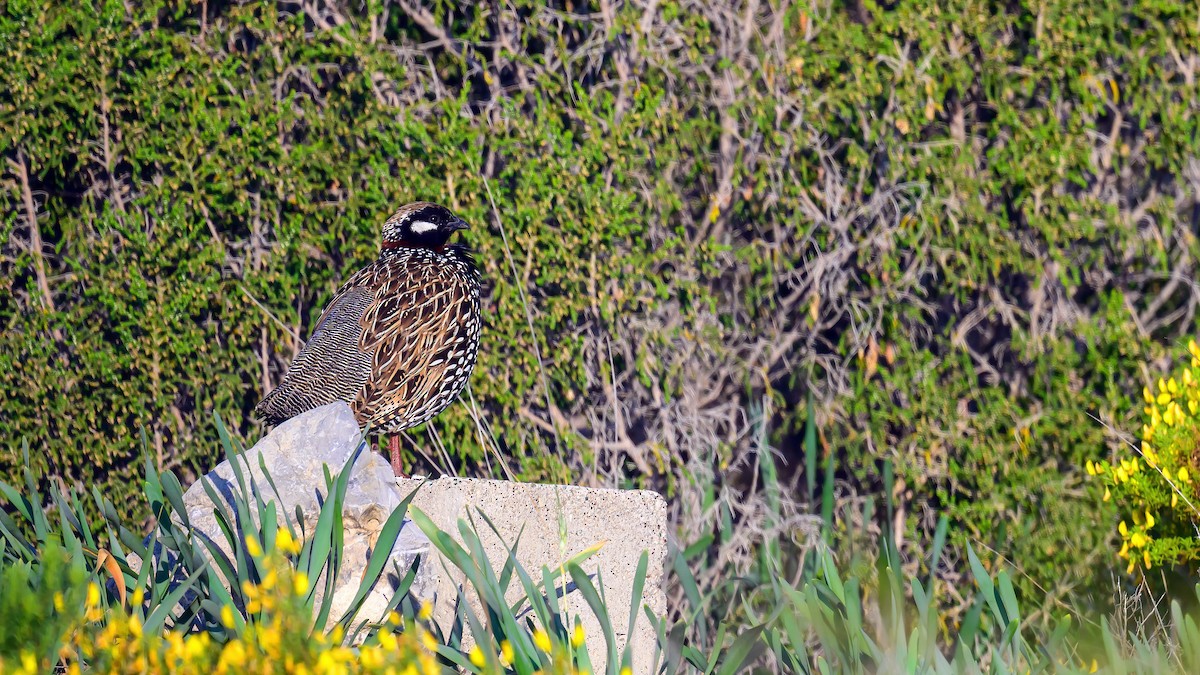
(399, 340)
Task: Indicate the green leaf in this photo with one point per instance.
(743, 650)
(380, 554)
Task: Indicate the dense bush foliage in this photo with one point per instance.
(960, 229)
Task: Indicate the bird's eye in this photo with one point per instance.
(422, 226)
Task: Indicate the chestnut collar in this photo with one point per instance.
(393, 245)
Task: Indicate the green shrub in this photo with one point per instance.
(41, 602)
(958, 227)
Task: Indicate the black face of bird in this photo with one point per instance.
(422, 224)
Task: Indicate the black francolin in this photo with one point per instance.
(399, 339)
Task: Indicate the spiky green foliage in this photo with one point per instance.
(182, 580)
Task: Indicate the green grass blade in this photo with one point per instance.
(584, 584)
(380, 554)
(156, 619)
(744, 649)
(635, 602)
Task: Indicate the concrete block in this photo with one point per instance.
(628, 521)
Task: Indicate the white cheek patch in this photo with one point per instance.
(421, 227)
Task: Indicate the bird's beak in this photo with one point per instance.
(459, 224)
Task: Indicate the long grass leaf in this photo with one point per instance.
(380, 554)
(635, 602)
(584, 584)
(742, 651)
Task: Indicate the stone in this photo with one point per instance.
(627, 522)
(296, 455)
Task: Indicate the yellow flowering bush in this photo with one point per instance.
(105, 632)
(279, 638)
(1155, 482)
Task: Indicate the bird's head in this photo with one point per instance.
(423, 224)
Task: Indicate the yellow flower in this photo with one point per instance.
(194, 646)
(93, 595)
(1123, 529)
(370, 658)
(426, 611)
(285, 542)
(1183, 474)
(227, 616)
(234, 654)
(506, 652)
(253, 547)
(1146, 558)
(60, 605)
(1091, 468)
(541, 640)
(1107, 494)
(300, 584)
(1149, 519)
(1138, 540)
(626, 671)
(577, 636)
(477, 657)
(427, 640)
(138, 597)
(1148, 395)
(1174, 499)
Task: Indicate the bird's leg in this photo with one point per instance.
(394, 449)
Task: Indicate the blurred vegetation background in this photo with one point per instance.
(962, 234)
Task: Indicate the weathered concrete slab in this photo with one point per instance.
(628, 521)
